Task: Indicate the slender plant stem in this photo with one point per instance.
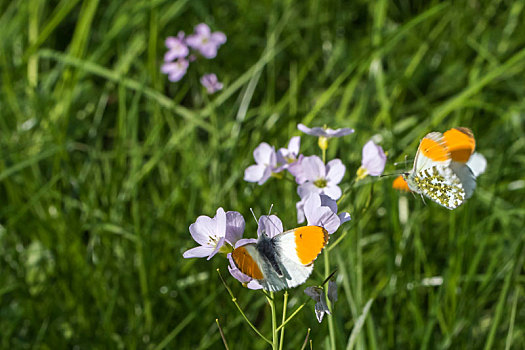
(331, 329)
(291, 316)
(222, 334)
(271, 301)
(285, 305)
(234, 299)
(306, 340)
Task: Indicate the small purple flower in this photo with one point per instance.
(213, 233)
(177, 47)
(268, 225)
(321, 307)
(266, 160)
(175, 70)
(206, 42)
(373, 162)
(317, 178)
(324, 131)
(211, 83)
(289, 158)
(321, 210)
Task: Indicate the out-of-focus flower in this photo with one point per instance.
(268, 225)
(266, 160)
(321, 308)
(213, 233)
(400, 184)
(324, 131)
(321, 210)
(175, 70)
(332, 291)
(204, 41)
(373, 161)
(289, 158)
(177, 47)
(315, 177)
(211, 83)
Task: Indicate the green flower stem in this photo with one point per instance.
(234, 299)
(331, 329)
(291, 316)
(285, 305)
(271, 301)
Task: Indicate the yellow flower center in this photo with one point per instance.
(323, 142)
(320, 183)
(361, 173)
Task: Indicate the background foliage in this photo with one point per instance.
(104, 164)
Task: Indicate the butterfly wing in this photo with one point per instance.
(296, 251)
(285, 261)
(460, 143)
(400, 184)
(442, 185)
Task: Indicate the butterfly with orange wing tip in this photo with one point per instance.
(445, 168)
(284, 260)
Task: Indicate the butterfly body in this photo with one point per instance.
(441, 171)
(283, 261)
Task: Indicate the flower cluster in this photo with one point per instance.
(203, 42)
(224, 232)
(311, 173)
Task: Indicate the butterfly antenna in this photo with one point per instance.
(255, 217)
(270, 211)
(328, 278)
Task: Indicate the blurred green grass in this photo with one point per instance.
(104, 165)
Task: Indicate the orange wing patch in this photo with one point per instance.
(434, 150)
(246, 264)
(400, 184)
(309, 241)
(460, 143)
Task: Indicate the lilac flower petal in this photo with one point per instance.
(236, 273)
(208, 50)
(175, 77)
(220, 220)
(202, 29)
(198, 252)
(269, 225)
(326, 201)
(299, 206)
(263, 153)
(294, 145)
(254, 173)
(202, 230)
(234, 227)
(374, 158)
(308, 187)
(245, 241)
(335, 170)
(266, 175)
(326, 132)
(296, 169)
(313, 168)
(218, 38)
(219, 245)
(320, 216)
(310, 131)
(344, 217)
(333, 191)
(340, 132)
(254, 285)
(194, 41)
(332, 291)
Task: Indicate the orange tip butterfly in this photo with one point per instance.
(283, 261)
(445, 168)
